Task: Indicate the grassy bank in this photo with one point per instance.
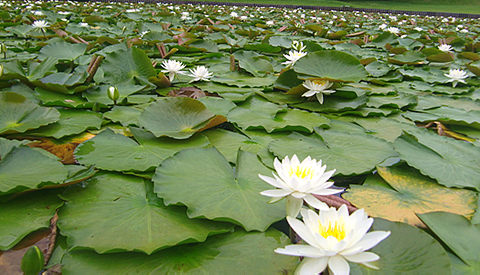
(461, 6)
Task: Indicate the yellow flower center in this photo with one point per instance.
(320, 81)
(337, 230)
(301, 172)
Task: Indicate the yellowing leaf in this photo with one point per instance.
(404, 192)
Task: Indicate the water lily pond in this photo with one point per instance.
(132, 136)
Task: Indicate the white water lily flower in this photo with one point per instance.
(40, 24)
(456, 75)
(293, 56)
(299, 181)
(445, 48)
(393, 30)
(333, 239)
(317, 88)
(270, 23)
(418, 29)
(200, 73)
(172, 67)
(298, 46)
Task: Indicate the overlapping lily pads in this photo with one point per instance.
(193, 145)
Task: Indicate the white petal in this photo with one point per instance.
(310, 266)
(319, 98)
(275, 193)
(301, 250)
(370, 240)
(362, 257)
(298, 195)
(302, 231)
(272, 181)
(338, 265)
(309, 93)
(293, 206)
(315, 203)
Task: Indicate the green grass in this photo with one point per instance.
(458, 6)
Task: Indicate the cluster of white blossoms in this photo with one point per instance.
(331, 237)
(174, 68)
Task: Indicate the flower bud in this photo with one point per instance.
(3, 48)
(113, 93)
(1, 70)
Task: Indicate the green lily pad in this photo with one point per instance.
(146, 224)
(408, 250)
(453, 163)
(63, 50)
(346, 152)
(71, 122)
(457, 233)
(18, 115)
(254, 63)
(239, 252)
(176, 117)
(331, 65)
(116, 152)
(124, 65)
(24, 168)
(229, 143)
(26, 214)
(212, 190)
(259, 113)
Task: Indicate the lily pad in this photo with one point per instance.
(18, 115)
(408, 193)
(176, 117)
(26, 214)
(212, 190)
(146, 224)
(457, 233)
(406, 250)
(343, 151)
(331, 65)
(241, 252)
(71, 122)
(116, 152)
(451, 162)
(24, 168)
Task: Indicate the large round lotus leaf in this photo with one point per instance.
(408, 250)
(26, 214)
(407, 192)
(228, 143)
(18, 115)
(124, 65)
(254, 63)
(71, 122)
(453, 163)
(332, 65)
(121, 213)
(234, 253)
(244, 80)
(458, 233)
(348, 153)
(260, 113)
(63, 50)
(204, 181)
(176, 117)
(116, 152)
(26, 168)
